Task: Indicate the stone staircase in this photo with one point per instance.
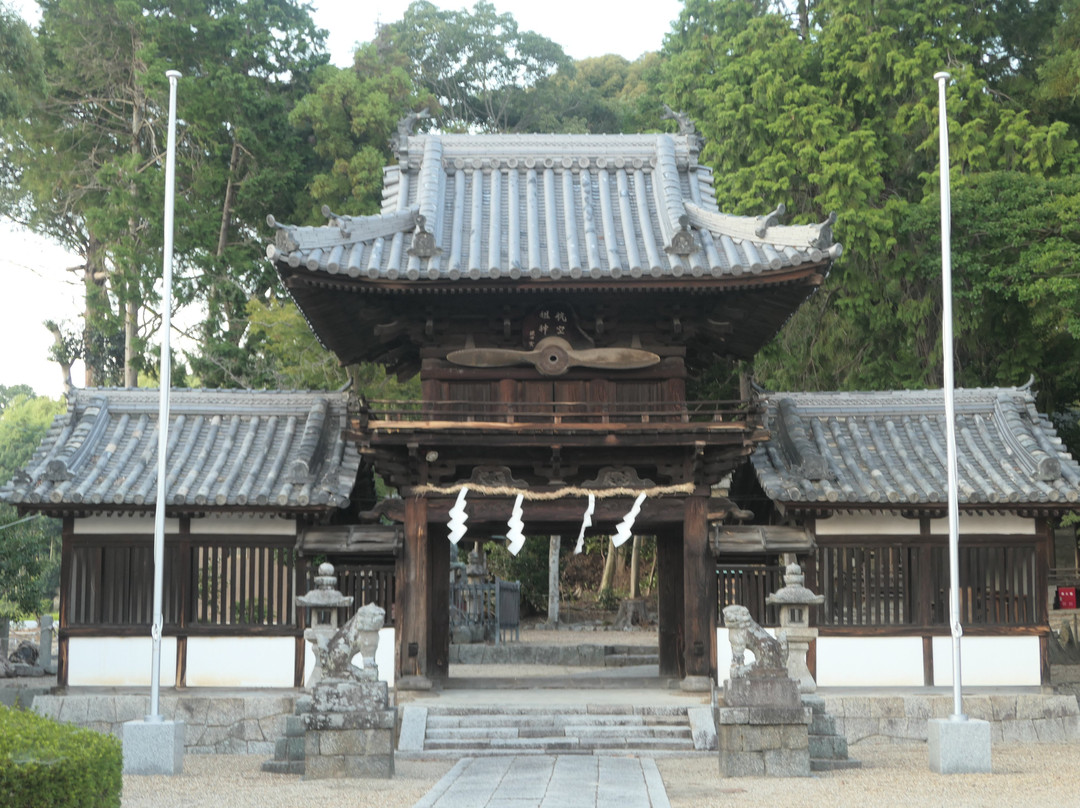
(456, 732)
(828, 748)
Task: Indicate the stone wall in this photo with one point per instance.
(230, 725)
(1014, 718)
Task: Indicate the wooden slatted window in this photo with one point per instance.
(210, 584)
(366, 583)
(748, 585)
(905, 583)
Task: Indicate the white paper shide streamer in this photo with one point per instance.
(586, 523)
(516, 525)
(622, 532)
(458, 517)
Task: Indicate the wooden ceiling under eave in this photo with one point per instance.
(388, 322)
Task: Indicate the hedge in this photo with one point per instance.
(58, 765)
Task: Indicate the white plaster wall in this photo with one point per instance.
(869, 662)
(242, 525)
(240, 661)
(1009, 524)
(384, 658)
(117, 525)
(118, 661)
(988, 661)
(723, 653)
(864, 524)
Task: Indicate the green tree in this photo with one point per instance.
(835, 110)
(29, 561)
(86, 165)
(480, 67)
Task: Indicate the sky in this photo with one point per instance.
(37, 286)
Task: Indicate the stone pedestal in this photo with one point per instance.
(153, 747)
(762, 729)
(349, 730)
(959, 746)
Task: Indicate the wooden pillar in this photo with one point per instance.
(67, 550)
(438, 609)
(669, 603)
(411, 616)
(699, 592)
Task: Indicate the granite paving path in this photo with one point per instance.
(549, 781)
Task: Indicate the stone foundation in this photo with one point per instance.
(763, 742)
(349, 730)
(1013, 717)
(217, 725)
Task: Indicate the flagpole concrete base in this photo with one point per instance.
(153, 747)
(959, 746)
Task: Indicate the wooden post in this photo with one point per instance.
(411, 616)
(438, 605)
(669, 601)
(699, 594)
(554, 545)
(67, 550)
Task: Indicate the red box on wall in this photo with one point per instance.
(1066, 596)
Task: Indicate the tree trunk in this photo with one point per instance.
(554, 545)
(226, 208)
(609, 566)
(635, 568)
(131, 282)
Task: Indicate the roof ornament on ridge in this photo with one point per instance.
(686, 125)
(423, 240)
(406, 127)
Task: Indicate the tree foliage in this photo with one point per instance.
(86, 163)
(836, 111)
(29, 564)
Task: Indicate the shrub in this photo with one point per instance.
(46, 763)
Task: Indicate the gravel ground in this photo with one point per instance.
(897, 776)
(1031, 776)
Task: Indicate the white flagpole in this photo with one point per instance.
(950, 406)
(163, 406)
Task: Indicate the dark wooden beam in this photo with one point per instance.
(411, 619)
(699, 591)
(439, 608)
(669, 602)
(494, 511)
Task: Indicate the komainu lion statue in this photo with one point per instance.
(745, 634)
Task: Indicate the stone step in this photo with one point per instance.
(466, 731)
(283, 766)
(831, 747)
(494, 721)
(820, 765)
(627, 660)
(624, 732)
(444, 733)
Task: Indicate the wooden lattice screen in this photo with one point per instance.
(906, 584)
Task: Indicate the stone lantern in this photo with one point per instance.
(795, 601)
(323, 601)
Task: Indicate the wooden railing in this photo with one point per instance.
(557, 412)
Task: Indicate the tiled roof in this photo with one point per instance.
(859, 449)
(229, 449)
(592, 207)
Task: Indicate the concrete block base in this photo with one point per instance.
(153, 747)
(959, 747)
